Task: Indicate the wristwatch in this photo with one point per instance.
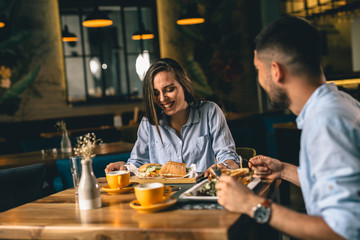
(262, 212)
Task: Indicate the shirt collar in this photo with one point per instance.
(194, 116)
(319, 92)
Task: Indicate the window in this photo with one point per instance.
(100, 66)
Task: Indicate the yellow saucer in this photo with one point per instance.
(153, 208)
(117, 190)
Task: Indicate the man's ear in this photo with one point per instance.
(277, 72)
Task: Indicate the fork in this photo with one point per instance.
(216, 173)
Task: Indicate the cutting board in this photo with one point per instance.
(162, 180)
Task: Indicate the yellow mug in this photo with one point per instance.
(149, 194)
(118, 179)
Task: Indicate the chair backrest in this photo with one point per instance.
(98, 164)
(21, 185)
(246, 152)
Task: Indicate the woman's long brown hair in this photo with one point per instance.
(152, 111)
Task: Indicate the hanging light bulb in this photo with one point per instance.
(2, 21)
(142, 64)
(191, 17)
(67, 36)
(142, 34)
(97, 19)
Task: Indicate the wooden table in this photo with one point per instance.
(58, 217)
(28, 158)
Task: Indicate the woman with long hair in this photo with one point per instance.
(178, 125)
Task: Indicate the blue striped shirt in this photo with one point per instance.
(204, 137)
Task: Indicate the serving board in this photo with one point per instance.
(161, 180)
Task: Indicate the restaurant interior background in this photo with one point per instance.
(88, 82)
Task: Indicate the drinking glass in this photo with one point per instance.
(75, 166)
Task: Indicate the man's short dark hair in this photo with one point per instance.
(296, 38)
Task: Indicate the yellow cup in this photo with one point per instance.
(118, 179)
(149, 194)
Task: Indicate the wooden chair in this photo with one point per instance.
(246, 153)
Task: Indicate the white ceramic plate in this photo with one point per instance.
(191, 192)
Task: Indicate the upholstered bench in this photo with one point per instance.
(21, 185)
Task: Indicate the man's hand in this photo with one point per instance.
(266, 167)
(235, 196)
(115, 166)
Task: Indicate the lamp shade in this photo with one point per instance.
(67, 36)
(97, 19)
(2, 21)
(144, 35)
(191, 17)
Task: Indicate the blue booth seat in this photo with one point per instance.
(64, 178)
(21, 185)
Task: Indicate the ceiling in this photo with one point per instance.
(66, 5)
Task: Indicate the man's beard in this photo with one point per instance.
(278, 97)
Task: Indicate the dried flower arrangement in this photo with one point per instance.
(61, 125)
(86, 146)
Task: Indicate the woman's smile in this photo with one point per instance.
(169, 94)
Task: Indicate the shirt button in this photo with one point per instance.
(180, 142)
(180, 157)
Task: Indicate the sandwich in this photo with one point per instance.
(241, 174)
(173, 170)
(150, 170)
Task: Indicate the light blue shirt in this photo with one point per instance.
(329, 169)
(204, 137)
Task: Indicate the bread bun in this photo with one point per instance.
(173, 169)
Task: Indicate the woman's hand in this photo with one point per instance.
(232, 164)
(115, 166)
(266, 167)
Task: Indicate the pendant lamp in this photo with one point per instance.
(142, 33)
(67, 36)
(190, 17)
(2, 21)
(97, 19)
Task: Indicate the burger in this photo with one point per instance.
(241, 174)
(150, 170)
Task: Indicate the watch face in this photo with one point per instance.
(262, 214)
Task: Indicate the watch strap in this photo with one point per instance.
(266, 203)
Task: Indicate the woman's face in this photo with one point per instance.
(169, 95)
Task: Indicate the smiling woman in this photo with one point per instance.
(178, 125)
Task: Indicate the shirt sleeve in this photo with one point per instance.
(140, 152)
(222, 141)
(335, 174)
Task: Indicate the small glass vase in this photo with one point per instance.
(65, 143)
(89, 191)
